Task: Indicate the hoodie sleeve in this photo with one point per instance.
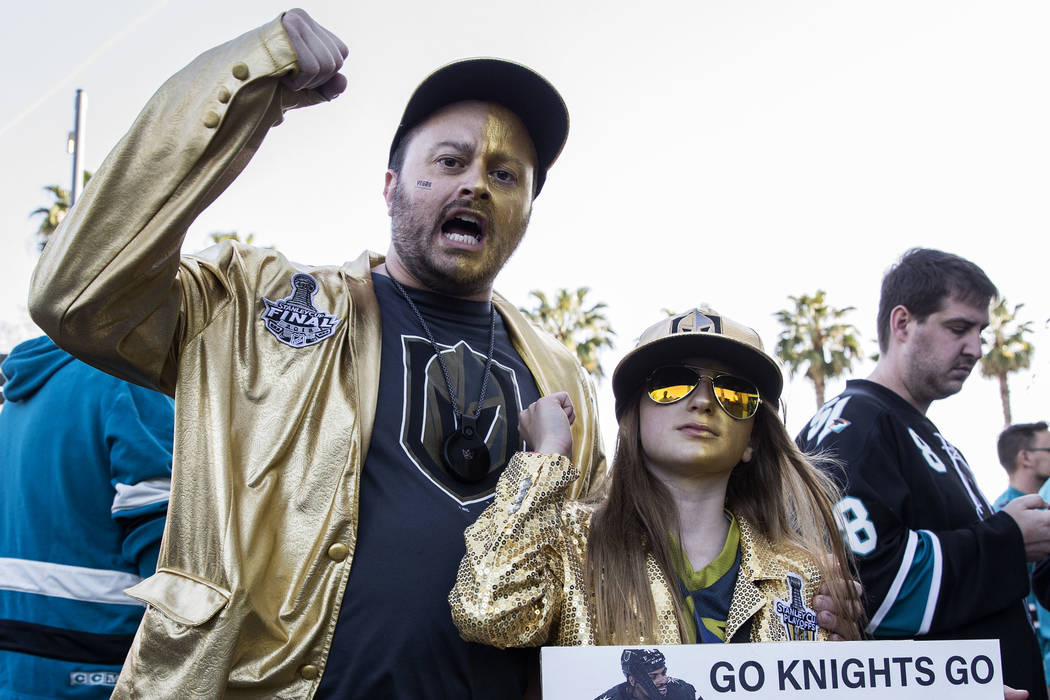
(138, 433)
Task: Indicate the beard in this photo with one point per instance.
(928, 382)
(450, 272)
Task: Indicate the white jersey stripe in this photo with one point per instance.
(144, 493)
(935, 582)
(65, 581)
(898, 583)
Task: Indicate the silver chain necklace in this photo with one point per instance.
(465, 453)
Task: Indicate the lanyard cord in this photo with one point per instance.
(441, 361)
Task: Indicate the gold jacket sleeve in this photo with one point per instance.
(509, 590)
(121, 307)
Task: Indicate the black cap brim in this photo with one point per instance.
(519, 89)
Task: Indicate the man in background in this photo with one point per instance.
(935, 561)
(1024, 452)
(85, 470)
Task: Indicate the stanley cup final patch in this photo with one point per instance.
(294, 320)
(799, 622)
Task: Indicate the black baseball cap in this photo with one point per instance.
(518, 88)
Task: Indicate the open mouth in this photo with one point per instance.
(464, 228)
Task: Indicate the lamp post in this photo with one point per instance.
(75, 145)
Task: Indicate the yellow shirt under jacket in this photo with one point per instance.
(269, 439)
(522, 581)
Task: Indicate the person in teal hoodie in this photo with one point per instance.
(1024, 452)
(85, 471)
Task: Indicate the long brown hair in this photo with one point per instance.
(780, 491)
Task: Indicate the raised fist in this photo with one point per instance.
(546, 424)
(320, 55)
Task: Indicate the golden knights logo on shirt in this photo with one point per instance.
(799, 622)
(294, 320)
(428, 417)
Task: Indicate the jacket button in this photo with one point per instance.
(224, 95)
(211, 120)
(309, 672)
(338, 551)
(240, 71)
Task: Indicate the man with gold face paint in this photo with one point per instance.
(326, 463)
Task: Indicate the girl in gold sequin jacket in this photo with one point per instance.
(712, 526)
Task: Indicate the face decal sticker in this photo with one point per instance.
(294, 320)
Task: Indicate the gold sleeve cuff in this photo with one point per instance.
(508, 592)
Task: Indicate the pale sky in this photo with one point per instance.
(723, 152)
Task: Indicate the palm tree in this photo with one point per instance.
(1008, 350)
(54, 213)
(581, 328)
(815, 338)
(220, 236)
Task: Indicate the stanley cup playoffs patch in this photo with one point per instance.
(800, 622)
(294, 320)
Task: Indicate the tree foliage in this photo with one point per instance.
(583, 329)
(54, 212)
(1008, 349)
(220, 236)
(816, 341)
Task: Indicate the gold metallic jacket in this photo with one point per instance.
(522, 581)
(269, 439)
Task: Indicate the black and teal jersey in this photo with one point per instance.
(935, 560)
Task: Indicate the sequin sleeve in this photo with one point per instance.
(508, 592)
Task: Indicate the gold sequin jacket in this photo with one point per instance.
(522, 581)
(269, 439)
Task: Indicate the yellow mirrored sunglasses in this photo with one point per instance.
(737, 396)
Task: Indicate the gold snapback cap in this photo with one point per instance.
(700, 332)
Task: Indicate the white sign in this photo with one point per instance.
(902, 670)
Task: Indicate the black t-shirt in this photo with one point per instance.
(935, 561)
(395, 637)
